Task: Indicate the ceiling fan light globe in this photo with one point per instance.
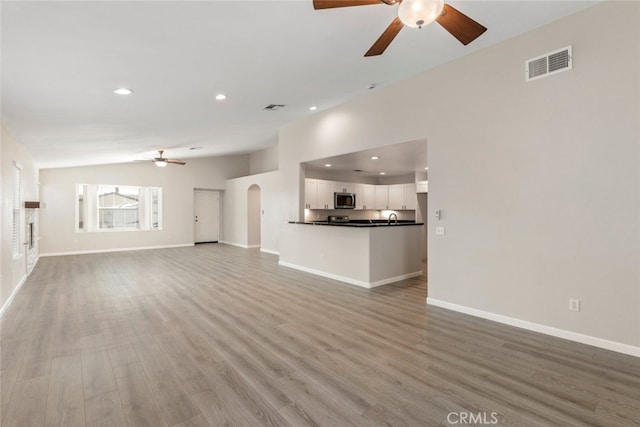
(161, 163)
(418, 13)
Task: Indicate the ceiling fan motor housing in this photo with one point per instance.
(418, 13)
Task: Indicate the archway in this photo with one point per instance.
(254, 216)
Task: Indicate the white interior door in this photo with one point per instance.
(206, 216)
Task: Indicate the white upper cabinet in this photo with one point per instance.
(396, 196)
(318, 194)
(402, 197)
(344, 187)
(365, 196)
(311, 194)
(325, 194)
(410, 197)
(382, 197)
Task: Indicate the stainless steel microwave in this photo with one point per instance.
(344, 200)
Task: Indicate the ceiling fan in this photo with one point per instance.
(162, 161)
(415, 13)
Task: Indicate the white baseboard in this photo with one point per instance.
(269, 251)
(9, 300)
(395, 279)
(536, 327)
(100, 251)
(35, 263)
(238, 245)
(349, 280)
(325, 274)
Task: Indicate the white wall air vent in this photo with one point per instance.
(547, 64)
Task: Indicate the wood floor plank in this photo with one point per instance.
(11, 356)
(197, 421)
(138, 403)
(65, 403)
(28, 403)
(104, 410)
(122, 354)
(172, 399)
(220, 407)
(218, 335)
(97, 374)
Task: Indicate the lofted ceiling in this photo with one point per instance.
(61, 62)
(390, 160)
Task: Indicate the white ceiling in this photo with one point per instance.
(61, 62)
(392, 160)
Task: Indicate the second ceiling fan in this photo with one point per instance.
(161, 161)
(415, 13)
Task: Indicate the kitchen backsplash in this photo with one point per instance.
(322, 214)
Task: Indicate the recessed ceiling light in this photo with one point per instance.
(328, 165)
(221, 97)
(123, 91)
(382, 173)
(374, 157)
(426, 168)
(313, 108)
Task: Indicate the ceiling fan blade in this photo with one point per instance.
(175, 162)
(330, 4)
(386, 38)
(460, 25)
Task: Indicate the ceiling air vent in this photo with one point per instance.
(273, 107)
(550, 63)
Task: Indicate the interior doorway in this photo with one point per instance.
(206, 222)
(254, 216)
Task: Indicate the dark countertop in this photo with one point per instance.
(361, 223)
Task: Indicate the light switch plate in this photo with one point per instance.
(440, 231)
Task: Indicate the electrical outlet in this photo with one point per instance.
(574, 304)
(440, 231)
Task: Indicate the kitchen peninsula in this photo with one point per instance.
(360, 253)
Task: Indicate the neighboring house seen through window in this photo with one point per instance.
(102, 207)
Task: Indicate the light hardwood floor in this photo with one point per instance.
(217, 335)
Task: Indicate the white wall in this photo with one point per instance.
(254, 215)
(13, 272)
(177, 182)
(236, 208)
(421, 216)
(537, 182)
(264, 160)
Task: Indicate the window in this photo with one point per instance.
(118, 207)
(102, 207)
(15, 239)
